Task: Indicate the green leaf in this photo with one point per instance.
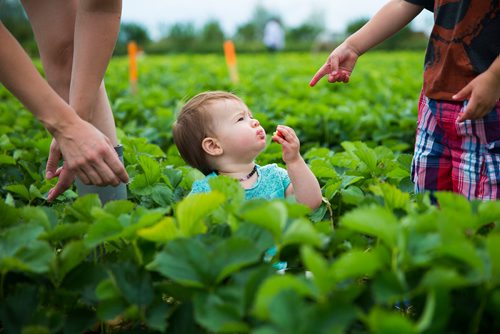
(493, 247)
(163, 231)
(221, 311)
(318, 266)
(489, 212)
(302, 232)
(174, 176)
(374, 221)
(107, 290)
(145, 218)
(322, 169)
(82, 207)
(354, 264)
(192, 211)
(385, 322)
(19, 189)
(367, 156)
(18, 307)
(291, 313)
(34, 192)
(162, 195)
(151, 169)
(230, 187)
(183, 260)
(7, 160)
(442, 278)
(393, 197)
(272, 287)
(156, 315)
(232, 254)
(388, 288)
(21, 250)
(8, 213)
(140, 185)
(348, 180)
(36, 215)
(271, 215)
(17, 237)
(104, 229)
(72, 255)
(133, 282)
(457, 209)
(119, 207)
(352, 195)
(465, 252)
(111, 308)
(65, 231)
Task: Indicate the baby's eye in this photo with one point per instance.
(241, 119)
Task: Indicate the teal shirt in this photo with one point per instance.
(271, 183)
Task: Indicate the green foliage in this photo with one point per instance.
(374, 258)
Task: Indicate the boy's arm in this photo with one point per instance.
(304, 184)
(483, 93)
(391, 18)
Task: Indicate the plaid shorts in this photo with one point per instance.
(460, 157)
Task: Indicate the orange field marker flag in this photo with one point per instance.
(132, 54)
(230, 54)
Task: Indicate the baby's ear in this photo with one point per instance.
(211, 146)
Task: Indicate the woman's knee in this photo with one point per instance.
(57, 62)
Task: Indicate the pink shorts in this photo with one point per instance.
(460, 157)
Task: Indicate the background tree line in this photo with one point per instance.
(186, 37)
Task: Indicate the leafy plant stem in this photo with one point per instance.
(476, 320)
(2, 282)
(137, 252)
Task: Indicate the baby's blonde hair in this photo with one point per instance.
(193, 124)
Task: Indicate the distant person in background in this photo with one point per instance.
(274, 36)
(216, 133)
(76, 40)
(458, 134)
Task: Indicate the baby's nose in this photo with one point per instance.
(255, 123)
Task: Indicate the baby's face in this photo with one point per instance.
(240, 135)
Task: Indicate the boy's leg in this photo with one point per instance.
(477, 166)
(462, 157)
(431, 166)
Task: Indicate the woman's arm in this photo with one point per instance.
(87, 152)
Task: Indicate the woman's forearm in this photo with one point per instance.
(21, 77)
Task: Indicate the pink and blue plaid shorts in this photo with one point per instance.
(460, 157)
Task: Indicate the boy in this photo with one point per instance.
(458, 135)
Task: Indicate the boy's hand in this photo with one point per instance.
(338, 66)
(286, 137)
(483, 93)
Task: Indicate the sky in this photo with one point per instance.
(158, 15)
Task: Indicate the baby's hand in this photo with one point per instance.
(286, 137)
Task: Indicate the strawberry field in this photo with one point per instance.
(374, 258)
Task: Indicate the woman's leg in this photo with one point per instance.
(72, 66)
